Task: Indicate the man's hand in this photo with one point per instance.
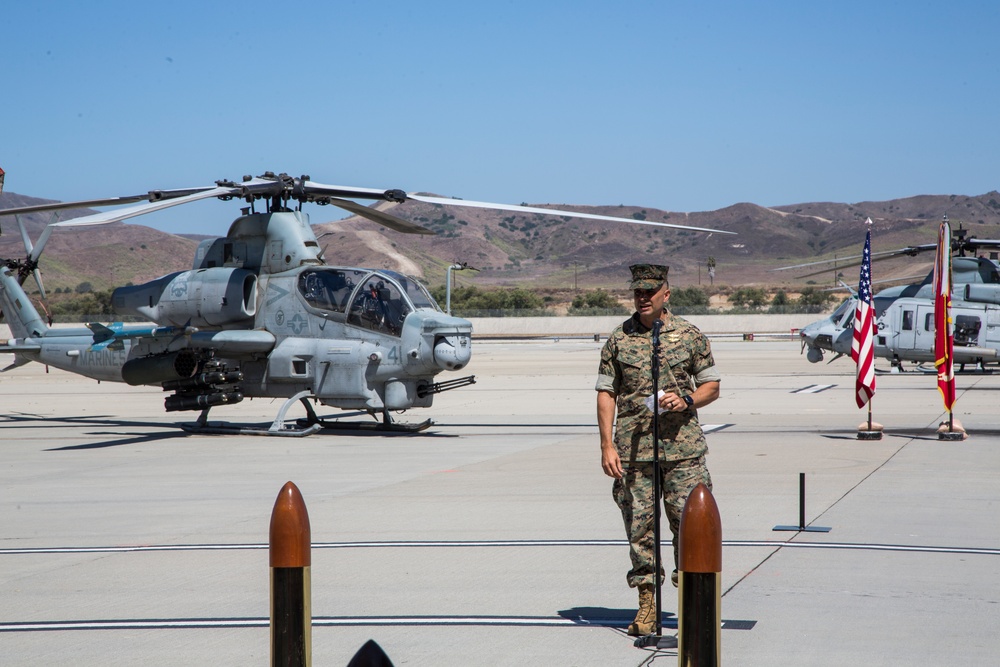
(700, 397)
(611, 462)
(672, 402)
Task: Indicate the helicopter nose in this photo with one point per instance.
(808, 338)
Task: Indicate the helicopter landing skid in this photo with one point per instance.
(386, 425)
(277, 428)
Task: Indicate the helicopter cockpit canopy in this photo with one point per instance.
(378, 300)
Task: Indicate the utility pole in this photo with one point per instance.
(457, 266)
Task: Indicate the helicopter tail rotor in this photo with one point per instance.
(22, 268)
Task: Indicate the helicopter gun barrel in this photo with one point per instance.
(438, 387)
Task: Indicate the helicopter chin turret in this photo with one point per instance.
(452, 352)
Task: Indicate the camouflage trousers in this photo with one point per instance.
(633, 494)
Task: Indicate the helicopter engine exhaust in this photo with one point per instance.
(979, 293)
(219, 296)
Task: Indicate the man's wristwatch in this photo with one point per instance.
(688, 400)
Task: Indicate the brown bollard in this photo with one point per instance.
(699, 564)
(291, 603)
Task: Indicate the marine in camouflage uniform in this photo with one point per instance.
(624, 383)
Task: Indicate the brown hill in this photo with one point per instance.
(546, 250)
(515, 249)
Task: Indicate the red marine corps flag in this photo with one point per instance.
(944, 333)
(862, 350)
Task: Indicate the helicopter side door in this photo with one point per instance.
(923, 327)
(992, 325)
(907, 337)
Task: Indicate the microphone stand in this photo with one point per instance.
(657, 639)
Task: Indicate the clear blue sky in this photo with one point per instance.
(684, 106)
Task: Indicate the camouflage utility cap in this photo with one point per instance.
(648, 276)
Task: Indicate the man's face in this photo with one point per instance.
(650, 301)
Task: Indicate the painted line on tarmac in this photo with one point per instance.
(342, 621)
(464, 544)
(813, 389)
(714, 428)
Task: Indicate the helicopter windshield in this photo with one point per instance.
(329, 289)
(418, 294)
(379, 305)
(841, 310)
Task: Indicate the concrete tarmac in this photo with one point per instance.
(492, 538)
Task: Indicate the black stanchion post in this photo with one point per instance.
(657, 639)
(802, 527)
(802, 501)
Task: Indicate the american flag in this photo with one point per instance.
(862, 350)
(944, 335)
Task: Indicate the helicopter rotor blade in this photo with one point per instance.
(551, 211)
(319, 191)
(302, 189)
(885, 254)
(126, 213)
(38, 281)
(381, 217)
(88, 203)
(24, 235)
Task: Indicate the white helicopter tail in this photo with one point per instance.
(21, 315)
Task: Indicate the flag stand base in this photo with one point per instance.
(657, 641)
(951, 436)
(869, 435)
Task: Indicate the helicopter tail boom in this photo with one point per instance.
(24, 320)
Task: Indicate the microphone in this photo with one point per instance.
(657, 325)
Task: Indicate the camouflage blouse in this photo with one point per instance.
(626, 372)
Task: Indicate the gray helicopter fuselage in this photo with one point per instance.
(262, 302)
(905, 319)
(905, 332)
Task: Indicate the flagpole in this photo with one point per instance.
(944, 331)
(862, 348)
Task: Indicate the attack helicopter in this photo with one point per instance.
(262, 314)
(905, 314)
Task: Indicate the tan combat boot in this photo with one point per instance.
(645, 618)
